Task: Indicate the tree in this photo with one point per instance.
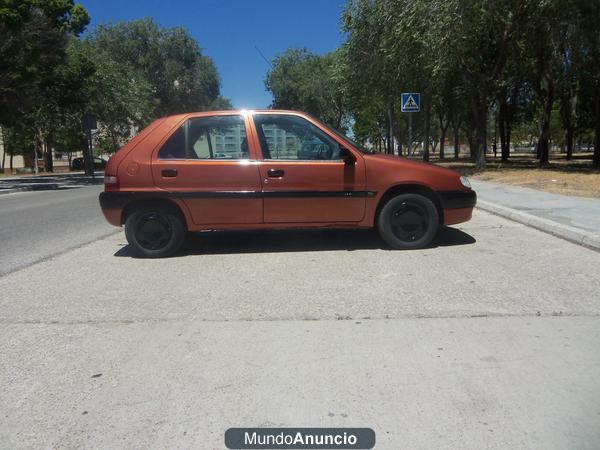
(221, 104)
(170, 61)
(370, 79)
(590, 83)
(33, 39)
(300, 79)
(120, 99)
(447, 49)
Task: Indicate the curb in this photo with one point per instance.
(13, 190)
(29, 188)
(571, 234)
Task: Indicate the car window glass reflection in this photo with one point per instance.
(222, 137)
(294, 138)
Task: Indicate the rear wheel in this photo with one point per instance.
(155, 232)
(408, 221)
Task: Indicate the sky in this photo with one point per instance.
(230, 30)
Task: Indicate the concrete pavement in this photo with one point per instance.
(488, 339)
(576, 219)
(520, 382)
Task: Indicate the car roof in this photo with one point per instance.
(237, 111)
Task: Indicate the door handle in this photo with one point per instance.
(169, 173)
(275, 173)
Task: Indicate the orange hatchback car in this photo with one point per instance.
(266, 170)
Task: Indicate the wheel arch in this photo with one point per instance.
(153, 202)
(411, 188)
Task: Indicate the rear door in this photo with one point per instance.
(207, 163)
(304, 176)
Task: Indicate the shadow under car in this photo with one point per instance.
(275, 241)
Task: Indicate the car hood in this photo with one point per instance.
(410, 163)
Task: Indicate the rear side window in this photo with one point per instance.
(174, 148)
(218, 137)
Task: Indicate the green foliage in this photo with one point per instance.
(33, 39)
(125, 74)
(221, 104)
(300, 79)
(533, 64)
(181, 78)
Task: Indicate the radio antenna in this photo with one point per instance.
(263, 56)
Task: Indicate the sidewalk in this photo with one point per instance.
(576, 219)
(45, 182)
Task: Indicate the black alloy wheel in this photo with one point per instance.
(155, 232)
(408, 221)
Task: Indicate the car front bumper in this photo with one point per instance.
(458, 199)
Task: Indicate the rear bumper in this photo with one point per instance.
(117, 200)
(112, 207)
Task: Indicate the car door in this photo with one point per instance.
(307, 174)
(208, 163)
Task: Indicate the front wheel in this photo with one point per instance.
(408, 221)
(154, 232)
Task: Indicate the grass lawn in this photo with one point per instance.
(574, 177)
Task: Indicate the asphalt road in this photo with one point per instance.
(37, 225)
(488, 339)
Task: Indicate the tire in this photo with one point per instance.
(408, 221)
(155, 232)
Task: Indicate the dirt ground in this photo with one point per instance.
(574, 177)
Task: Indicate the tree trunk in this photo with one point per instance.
(479, 133)
(390, 148)
(48, 161)
(596, 159)
(88, 162)
(471, 143)
(427, 131)
(502, 113)
(508, 138)
(443, 129)
(3, 148)
(569, 140)
(456, 130)
(11, 162)
(543, 140)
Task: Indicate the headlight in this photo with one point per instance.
(465, 182)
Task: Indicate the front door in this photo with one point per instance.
(207, 163)
(304, 176)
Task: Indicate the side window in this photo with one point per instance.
(218, 137)
(294, 138)
(174, 148)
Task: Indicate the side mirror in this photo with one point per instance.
(347, 156)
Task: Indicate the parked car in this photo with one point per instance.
(177, 175)
(79, 164)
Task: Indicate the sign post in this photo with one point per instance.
(411, 102)
(88, 123)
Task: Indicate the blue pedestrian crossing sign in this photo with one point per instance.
(411, 102)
